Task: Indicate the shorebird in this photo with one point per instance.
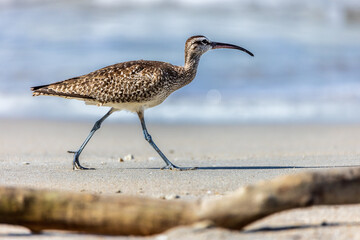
(133, 86)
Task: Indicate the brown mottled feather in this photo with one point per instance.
(133, 85)
(134, 81)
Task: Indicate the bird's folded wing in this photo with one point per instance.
(125, 82)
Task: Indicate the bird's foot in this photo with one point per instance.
(77, 166)
(76, 163)
(176, 168)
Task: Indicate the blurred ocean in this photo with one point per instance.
(306, 66)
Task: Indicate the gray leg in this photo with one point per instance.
(148, 138)
(97, 125)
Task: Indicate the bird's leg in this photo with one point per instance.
(148, 138)
(97, 125)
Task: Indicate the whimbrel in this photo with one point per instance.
(133, 86)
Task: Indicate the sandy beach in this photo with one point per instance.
(33, 153)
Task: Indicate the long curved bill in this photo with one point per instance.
(216, 45)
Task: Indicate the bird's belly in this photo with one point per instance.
(131, 106)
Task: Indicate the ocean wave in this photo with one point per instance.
(305, 66)
(265, 109)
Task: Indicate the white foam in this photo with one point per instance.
(193, 109)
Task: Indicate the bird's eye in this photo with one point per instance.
(204, 41)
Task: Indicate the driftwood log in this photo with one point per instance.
(129, 215)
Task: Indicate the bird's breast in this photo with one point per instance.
(131, 106)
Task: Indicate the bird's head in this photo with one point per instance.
(195, 46)
(199, 45)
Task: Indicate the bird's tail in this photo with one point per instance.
(56, 89)
(40, 90)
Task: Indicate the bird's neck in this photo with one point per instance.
(191, 61)
(190, 67)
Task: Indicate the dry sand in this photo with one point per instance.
(33, 153)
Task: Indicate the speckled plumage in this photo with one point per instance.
(134, 85)
(134, 81)
(129, 85)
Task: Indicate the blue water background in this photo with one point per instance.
(306, 66)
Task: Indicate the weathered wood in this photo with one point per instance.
(42, 209)
(130, 215)
(250, 203)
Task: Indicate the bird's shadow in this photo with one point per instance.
(267, 167)
(256, 167)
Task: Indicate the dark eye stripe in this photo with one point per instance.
(202, 41)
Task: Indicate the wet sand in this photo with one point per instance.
(33, 153)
